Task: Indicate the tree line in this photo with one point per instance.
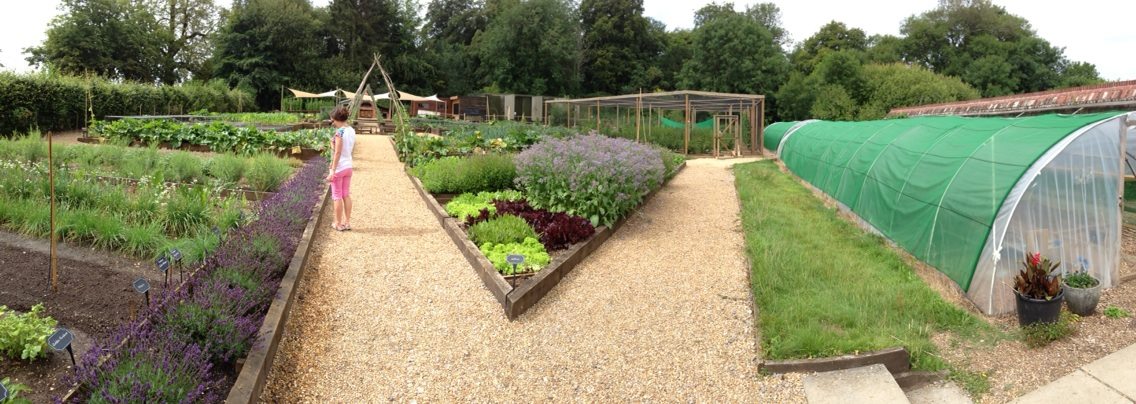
(961, 49)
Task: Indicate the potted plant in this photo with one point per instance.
(1038, 288)
(1082, 292)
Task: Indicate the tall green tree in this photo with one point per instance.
(362, 28)
(832, 37)
(734, 53)
(451, 26)
(617, 46)
(884, 49)
(989, 48)
(895, 85)
(1074, 74)
(187, 26)
(267, 44)
(117, 39)
(841, 88)
(533, 47)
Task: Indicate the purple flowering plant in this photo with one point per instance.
(592, 176)
(178, 350)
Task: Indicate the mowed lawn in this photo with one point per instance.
(825, 287)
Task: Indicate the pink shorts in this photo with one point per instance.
(341, 185)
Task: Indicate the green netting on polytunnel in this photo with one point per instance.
(773, 134)
(933, 185)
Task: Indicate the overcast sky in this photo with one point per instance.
(1094, 31)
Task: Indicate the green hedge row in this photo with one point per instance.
(52, 102)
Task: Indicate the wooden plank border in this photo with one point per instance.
(516, 300)
(897, 360)
(254, 374)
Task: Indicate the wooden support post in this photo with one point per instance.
(54, 265)
(638, 114)
(686, 127)
(760, 126)
(597, 115)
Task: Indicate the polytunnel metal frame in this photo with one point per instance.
(992, 252)
(995, 301)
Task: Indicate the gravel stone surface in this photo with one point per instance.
(391, 311)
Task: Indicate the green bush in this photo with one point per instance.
(536, 257)
(183, 167)
(455, 175)
(501, 230)
(267, 172)
(470, 204)
(24, 336)
(51, 102)
(595, 177)
(227, 168)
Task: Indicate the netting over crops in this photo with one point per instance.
(971, 196)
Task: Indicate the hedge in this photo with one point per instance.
(54, 102)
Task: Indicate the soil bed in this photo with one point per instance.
(94, 298)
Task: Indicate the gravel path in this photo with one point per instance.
(392, 311)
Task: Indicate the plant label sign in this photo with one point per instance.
(3, 392)
(61, 339)
(163, 263)
(515, 259)
(176, 254)
(141, 285)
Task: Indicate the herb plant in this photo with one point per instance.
(592, 176)
(1081, 280)
(24, 335)
(503, 229)
(14, 390)
(477, 173)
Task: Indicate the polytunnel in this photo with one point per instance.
(972, 196)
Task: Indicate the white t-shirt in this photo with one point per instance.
(346, 135)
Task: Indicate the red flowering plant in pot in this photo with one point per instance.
(1038, 288)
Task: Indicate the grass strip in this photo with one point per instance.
(825, 287)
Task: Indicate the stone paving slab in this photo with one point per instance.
(1077, 387)
(939, 393)
(863, 385)
(1117, 370)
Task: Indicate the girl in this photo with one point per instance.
(339, 174)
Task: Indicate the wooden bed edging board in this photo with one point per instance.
(897, 360)
(516, 300)
(254, 375)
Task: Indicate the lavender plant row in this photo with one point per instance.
(592, 176)
(181, 348)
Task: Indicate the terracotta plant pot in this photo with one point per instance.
(1082, 301)
(1031, 311)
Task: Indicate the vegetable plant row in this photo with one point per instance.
(142, 218)
(218, 136)
(182, 348)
